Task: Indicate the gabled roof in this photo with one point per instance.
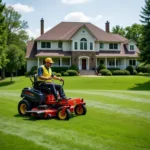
(65, 31)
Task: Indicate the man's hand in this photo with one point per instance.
(49, 78)
(60, 79)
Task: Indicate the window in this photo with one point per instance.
(76, 45)
(111, 62)
(101, 62)
(101, 45)
(45, 44)
(131, 47)
(91, 45)
(113, 46)
(132, 62)
(83, 44)
(65, 61)
(59, 44)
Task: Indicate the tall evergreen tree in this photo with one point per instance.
(3, 60)
(145, 40)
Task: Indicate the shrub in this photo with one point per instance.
(118, 72)
(141, 74)
(105, 72)
(130, 69)
(134, 72)
(72, 72)
(143, 68)
(33, 70)
(126, 72)
(59, 69)
(66, 74)
(27, 73)
(55, 73)
(102, 66)
(58, 74)
(74, 67)
(62, 73)
(113, 69)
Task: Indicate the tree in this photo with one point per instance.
(145, 40)
(118, 30)
(16, 57)
(134, 32)
(16, 33)
(3, 60)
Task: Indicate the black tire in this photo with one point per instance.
(65, 116)
(23, 106)
(80, 110)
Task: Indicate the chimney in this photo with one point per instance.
(42, 26)
(107, 26)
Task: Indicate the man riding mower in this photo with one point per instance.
(43, 101)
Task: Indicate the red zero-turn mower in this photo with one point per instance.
(39, 102)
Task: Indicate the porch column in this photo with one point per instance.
(87, 64)
(125, 63)
(70, 61)
(60, 62)
(106, 62)
(38, 62)
(115, 62)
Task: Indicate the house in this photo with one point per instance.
(82, 44)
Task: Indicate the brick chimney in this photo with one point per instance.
(42, 26)
(107, 26)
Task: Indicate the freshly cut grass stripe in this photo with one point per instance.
(109, 94)
(118, 109)
(50, 136)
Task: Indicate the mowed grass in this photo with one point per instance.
(118, 116)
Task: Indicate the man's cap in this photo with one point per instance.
(49, 60)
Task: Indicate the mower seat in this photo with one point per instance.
(36, 85)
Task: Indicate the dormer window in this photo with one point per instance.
(113, 46)
(131, 47)
(45, 44)
(83, 44)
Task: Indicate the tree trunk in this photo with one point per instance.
(11, 75)
(3, 73)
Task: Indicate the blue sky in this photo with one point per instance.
(117, 12)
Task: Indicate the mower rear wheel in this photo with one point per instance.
(63, 114)
(24, 106)
(80, 110)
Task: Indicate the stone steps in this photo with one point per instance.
(87, 72)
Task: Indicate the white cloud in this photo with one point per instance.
(36, 33)
(81, 17)
(74, 1)
(22, 8)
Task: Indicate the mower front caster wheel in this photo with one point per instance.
(63, 114)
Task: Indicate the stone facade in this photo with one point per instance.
(89, 56)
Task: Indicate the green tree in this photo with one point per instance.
(118, 30)
(134, 32)
(16, 33)
(16, 57)
(145, 40)
(3, 60)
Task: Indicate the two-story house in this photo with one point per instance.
(82, 44)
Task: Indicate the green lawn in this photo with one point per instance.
(118, 116)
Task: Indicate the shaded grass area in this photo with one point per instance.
(101, 83)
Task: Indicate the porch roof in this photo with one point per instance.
(122, 53)
(45, 53)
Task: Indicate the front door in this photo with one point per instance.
(83, 64)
